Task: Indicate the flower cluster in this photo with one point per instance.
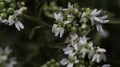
(11, 11)
(80, 47)
(5, 61)
(79, 22)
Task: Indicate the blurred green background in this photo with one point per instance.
(33, 45)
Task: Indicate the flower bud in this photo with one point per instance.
(10, 1)
(52, 65)
(10, 10)
(87, 9)
(4, 10)
(57, 64)
(21, 4)
(4, 15)
(13, 5)
(48, 63)
(52, 61)
(1, 0)
(73, 29)
(45, 65)
(2, 5)
(84, 26)
(24, 9)
(69, 25)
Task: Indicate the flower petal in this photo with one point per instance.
(70, 65)
(64, 61)
(99, 28)
(61, 32)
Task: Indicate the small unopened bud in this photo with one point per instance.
(52, 61)
(69, 25)
(24, 9)
(10, 10)
(4, 10)
(73, 29)
(48, 63)
(45, 65)
(13, 5)
(57, 64)
(1, 0)
(87, 9)
(4, 15)
(2, 5)
(52, 65)
(84, 20)
(84, 26)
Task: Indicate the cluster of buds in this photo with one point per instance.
(11, 11)
(79, 23)
(51, 63)
(5, 61)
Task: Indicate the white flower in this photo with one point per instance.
(101, 50)
(98, 20)
(57, 30)
(83, 17)
(73, 37)
(83, 40)
(7, 51)
(4, 54)
(18, 12)
(70, 7)
(99, 56)
(76, 47)
(96, 58)
(71, 62)
(11, 63)
(91, 50)
(11, 20)
(68, 50)
(91, 53)
(84, 51)
(99, 28)
(58, 16)
(70, 16)
(5, 21)
(83, 14)
(64, 61)
(18, 24)
(95, 12)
